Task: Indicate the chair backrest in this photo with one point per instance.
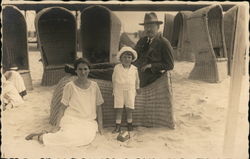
(207, 38)
(216, 32)
(168, 26)
(15, 50)
(206, 33)
(56, 28)
(100, 34)
(181, 40)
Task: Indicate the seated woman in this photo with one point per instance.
(13, 76)
(81, 106)
(10, 96)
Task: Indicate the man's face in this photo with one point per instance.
(151, 29)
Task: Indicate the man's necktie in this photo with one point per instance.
(149, 41)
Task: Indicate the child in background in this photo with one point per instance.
(10, 96)
(13, 76)
(126, 84)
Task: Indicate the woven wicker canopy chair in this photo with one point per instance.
(207, 38)
(56, 28)
(153, 107)
(231, 18)
(15, 46)
(168, 26)
(180, 38)
(100, 34)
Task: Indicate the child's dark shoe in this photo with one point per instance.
(130, 127)
(123, 136)
(117, 128)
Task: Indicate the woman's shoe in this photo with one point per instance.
(117, 128)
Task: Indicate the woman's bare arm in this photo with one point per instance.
(99, 119)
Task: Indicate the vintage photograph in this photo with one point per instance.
(124, 80)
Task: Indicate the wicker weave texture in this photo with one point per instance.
(153, 107)
(27, 79)
(181, 40)
(52, 76)
(207, 38)
(15, 49)
(100, 34)
(168, 26)
(56, 28)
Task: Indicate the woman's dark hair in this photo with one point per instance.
(81, 60)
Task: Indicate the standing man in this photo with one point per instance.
(155, 53)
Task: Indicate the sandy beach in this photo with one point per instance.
(200, 112)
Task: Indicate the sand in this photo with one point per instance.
(200, 112)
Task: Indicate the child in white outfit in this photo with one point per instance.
(14, 76)
(125, 81)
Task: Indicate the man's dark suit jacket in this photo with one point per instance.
(159, 53)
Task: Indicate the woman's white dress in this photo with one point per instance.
(78, 125)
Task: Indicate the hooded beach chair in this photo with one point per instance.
(56, 28)
(168, 26)
(100, 34)
(207, 38)
(231, 18)
(153, 107)
(181, 39)
(15, 46)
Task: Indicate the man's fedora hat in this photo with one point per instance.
(151, 18)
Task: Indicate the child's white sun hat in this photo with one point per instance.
(126, 49)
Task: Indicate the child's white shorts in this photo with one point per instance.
(124, 97)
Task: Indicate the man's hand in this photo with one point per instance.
(146, 67)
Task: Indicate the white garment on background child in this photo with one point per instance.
(16, 79)
(10, 94)
(125, 82)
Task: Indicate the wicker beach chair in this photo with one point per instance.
(15, 46)
(56, 28)
(168, 26)
(231, 18)
(207, 38)
(100, 34)
(153, 107)
(181, 40)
